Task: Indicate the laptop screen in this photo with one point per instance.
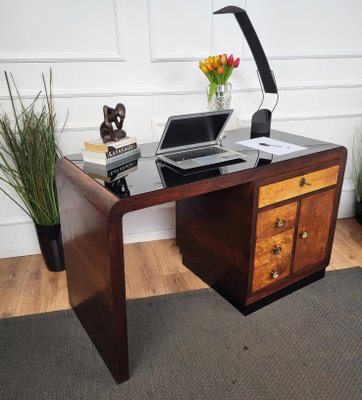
(187, 130)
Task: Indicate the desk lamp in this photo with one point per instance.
(261, 120)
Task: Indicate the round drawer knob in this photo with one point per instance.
(275, 274)
(277, 250)
(280, 223)
(304, 234)
(303, 182)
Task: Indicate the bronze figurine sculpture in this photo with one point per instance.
(116, 116)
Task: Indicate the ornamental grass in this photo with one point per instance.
(28, 152)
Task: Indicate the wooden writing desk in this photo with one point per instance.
(253, 231)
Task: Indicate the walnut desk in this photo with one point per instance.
(254, 231)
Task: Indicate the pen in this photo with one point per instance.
(272, 145)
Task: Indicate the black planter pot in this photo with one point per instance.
(359, 212)
(51, 246)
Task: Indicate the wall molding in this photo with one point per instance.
(156, 55)
(243, 120)
(15, 221)
(180, 91)
(119, 55)
(305, 55)
(158, 124)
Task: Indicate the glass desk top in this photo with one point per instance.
(135, 176)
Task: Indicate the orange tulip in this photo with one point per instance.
(210, 66)
(220, 70)
(223, 59)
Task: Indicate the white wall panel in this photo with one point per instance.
(180, 31)
(308, 28)
(144, 53)
(60, 31)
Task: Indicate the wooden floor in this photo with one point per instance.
(152, 268)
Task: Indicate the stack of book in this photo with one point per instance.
(97, 152)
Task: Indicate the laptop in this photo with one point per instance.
(192, 141)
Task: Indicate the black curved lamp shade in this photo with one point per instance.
(256, 48)
(261, 120)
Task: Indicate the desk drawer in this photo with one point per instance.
(274, 251)
(301, 184)
(267, 275)
(275, 221)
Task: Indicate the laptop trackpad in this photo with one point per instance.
(207, 160)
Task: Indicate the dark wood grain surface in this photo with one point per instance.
(92, 237)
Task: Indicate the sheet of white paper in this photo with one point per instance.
(272, 146)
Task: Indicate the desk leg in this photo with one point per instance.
(93, 248)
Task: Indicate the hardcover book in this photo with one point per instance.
(111, 153)
(98, 146)
(109, 161)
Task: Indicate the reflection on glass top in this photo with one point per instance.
(145, 173)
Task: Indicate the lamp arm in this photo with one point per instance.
(266, 75)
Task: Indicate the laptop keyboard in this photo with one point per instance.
(190, 154)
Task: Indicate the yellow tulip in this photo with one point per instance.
(201, 64)
(204, 69)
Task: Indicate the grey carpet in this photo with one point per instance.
(196, 346)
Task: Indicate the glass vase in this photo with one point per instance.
(221, 99)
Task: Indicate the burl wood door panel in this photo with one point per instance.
(313, 229)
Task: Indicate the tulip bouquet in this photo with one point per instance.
(218, 70)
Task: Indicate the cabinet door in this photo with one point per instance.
(313, 229)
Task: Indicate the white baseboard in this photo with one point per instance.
(19, 251)
(348, 200)
(18, 237)
(148, 236)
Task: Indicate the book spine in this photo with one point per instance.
(120, 150)
(103, 161)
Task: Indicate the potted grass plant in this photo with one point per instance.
(28, 152)
(357, 167)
